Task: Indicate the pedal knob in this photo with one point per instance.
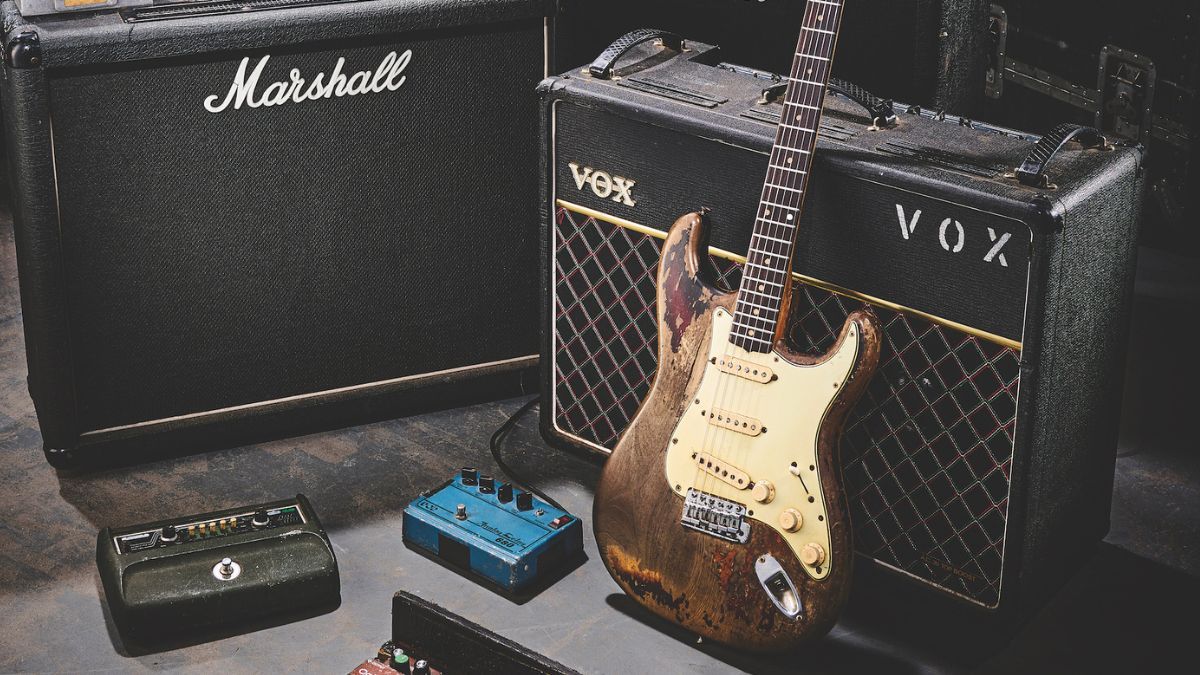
(524, 501)
(260, 518)
(763, 492)
(505, 493)
(487, 484)
(812, 555)
(469, 475)
(791, 520)
(168, 533)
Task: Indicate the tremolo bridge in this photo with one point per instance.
(715, 515)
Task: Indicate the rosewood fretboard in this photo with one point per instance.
(762, 298)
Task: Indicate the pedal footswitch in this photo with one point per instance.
(217, 569)
(503, 535)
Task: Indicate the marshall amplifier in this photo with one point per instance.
(248, 219)
(980, 462)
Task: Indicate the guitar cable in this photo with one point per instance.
(498, 438)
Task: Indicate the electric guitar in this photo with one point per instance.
(720, 508)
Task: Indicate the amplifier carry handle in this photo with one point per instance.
(881, 110)
(1032, 171)
(602, 67)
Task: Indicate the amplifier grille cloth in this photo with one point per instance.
(927, 452)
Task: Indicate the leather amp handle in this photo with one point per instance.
(602, 67)
(1032, 171)
(880, 109)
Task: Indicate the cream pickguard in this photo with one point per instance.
(750, 436)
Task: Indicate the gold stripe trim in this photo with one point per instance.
(438, 376)
(832, 288)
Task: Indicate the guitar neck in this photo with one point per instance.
(762, 297)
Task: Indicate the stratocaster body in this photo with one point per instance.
(753, 550)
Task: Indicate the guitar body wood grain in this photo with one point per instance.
(702, 582)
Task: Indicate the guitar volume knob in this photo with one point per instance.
(812, 555)
(791, 520)
(763, 492)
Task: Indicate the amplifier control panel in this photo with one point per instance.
(189, 530)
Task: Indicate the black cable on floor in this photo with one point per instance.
(498, 438)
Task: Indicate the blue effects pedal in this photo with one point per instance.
(504, 535)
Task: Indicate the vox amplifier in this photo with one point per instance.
(980, 461)
(250, 219)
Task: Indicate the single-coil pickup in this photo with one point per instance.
(734, 422)
(744, 369)
(723, 470)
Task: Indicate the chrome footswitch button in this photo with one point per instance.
(226, 570)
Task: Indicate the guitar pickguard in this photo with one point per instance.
(782, 485)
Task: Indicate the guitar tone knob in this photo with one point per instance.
(763, 492)
(812, 555)
(791, 520)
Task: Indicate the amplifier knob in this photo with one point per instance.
(812, 555)
(791, 520)
(763, 492)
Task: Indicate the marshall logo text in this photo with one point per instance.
(604, 184)
(388, 76)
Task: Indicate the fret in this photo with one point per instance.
(772, 270)
(793, 126)
(766, 271)
(762, 281)
(789, 207)
(781, 241)
(752, 329)
(770, 298)
(776, 222)
(752, 337)
(780, 187)
(758, 306)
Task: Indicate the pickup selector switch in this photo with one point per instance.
(791, 520)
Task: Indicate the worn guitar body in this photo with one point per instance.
(777, 570)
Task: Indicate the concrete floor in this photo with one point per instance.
(1124, 612)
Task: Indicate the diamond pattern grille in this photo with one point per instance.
(926, 454)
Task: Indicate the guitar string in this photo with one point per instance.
(747, 395)
(770, 194)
